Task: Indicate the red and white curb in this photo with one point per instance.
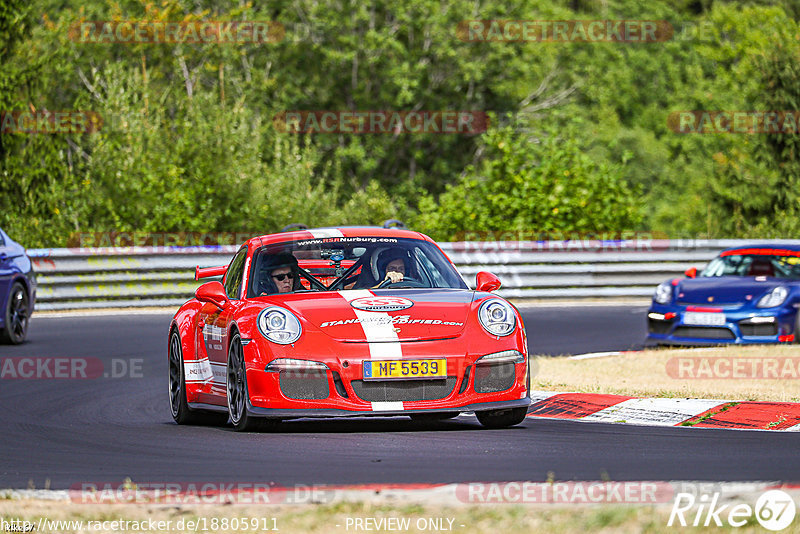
(703, 413)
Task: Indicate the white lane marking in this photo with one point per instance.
(590, 355)
(539, 396)
(654, 412)
(197, 371)
(326, 232)
(387, 406)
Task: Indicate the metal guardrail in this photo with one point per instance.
(164, 276)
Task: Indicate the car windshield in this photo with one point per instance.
(775, 265)
(337, 263)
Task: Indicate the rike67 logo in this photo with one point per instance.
(774, 510)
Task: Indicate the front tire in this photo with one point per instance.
(16, 315)
(237, 389)
(181, 412)
(502, 418)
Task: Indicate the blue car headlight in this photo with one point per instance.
(279, 325)
(663, 293)
(497, 317)
(774, 297)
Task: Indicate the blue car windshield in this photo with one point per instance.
(777, 266)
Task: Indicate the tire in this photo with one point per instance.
(17, 314)
(237, 390)
(432, 417)
(181, 413)
(502, 418)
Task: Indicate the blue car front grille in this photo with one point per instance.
(704, 332)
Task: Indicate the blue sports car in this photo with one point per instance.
(17, 290)
(745, 295)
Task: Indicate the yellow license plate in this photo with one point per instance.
(404, 369)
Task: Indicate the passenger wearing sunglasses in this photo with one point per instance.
(283, 277)
(280, 274)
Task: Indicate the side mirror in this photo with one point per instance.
(486, 281)
(691, 272)
(212, 292)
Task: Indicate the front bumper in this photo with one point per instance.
(326, 412)
(667, 325)
(341, 391)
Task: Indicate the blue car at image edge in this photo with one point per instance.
(17, 290)
(745, 295)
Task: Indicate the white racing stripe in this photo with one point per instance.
(387, 406)
(384, 344)
(326, 232)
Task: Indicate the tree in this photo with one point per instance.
(534, 185)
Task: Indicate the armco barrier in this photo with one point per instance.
(164, 276)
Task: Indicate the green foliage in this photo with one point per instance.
(188, 142)
(781, 91)
(543, 185)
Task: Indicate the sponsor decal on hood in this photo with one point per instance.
(382, 304)
(397, 319)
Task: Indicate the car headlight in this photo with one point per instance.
(773, 298)
(663, 293)
(279, 325)
(497, 317)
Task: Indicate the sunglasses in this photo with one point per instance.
(281, 277)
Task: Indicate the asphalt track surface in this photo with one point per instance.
(66, 432)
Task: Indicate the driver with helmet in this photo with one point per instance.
(395, 264)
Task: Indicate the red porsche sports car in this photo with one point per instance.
(341, 323)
